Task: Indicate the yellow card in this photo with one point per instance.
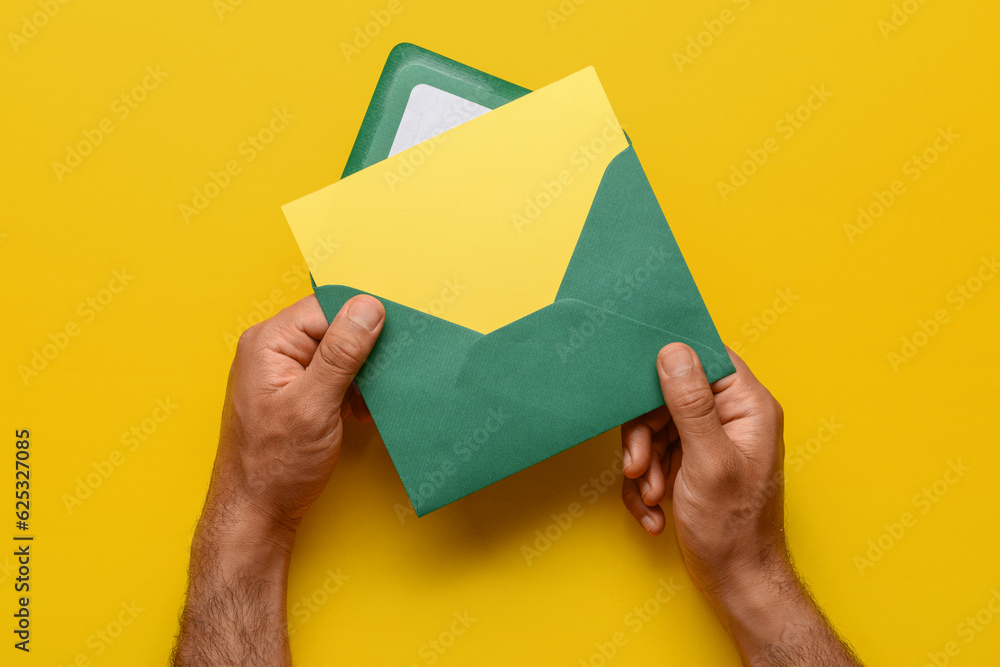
(476, 225)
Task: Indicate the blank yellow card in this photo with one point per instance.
(490, 210)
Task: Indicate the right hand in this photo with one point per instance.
(716, 452)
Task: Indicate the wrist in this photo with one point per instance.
(243, 540)
(768, 612)
(246, 492)
(759, 599)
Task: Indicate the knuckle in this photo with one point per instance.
(248, 337)
(765, 400)
(769, 408)
(247, 346)
(694, 402)
(777, 411)
(762, 403)
(344, 353)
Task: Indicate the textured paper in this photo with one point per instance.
(520, 181)
(407, 67)
(430, 111)
(458, 409)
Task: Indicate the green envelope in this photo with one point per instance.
(459, 409)
(407, 67)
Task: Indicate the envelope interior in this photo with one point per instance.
(477, 225)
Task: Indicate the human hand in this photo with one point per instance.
(282, 428)
(716, 452)
(289, 388)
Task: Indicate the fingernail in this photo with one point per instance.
(648, 523)
(643, 487)
(627, 459)
(365, 312)
(676, 360)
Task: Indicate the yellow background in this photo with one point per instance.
(195, 284)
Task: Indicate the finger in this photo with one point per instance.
(743, 374)
(306, 315)
(692, 406)
(294, 332)
(672, 465)
(653, 484)
(672, 437)
(344, 348)
(636, 448)
(358, 406)
(655, 419)
(742, 396)
(637, 436)
(652, 519)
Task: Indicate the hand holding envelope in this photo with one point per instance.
(529, 278)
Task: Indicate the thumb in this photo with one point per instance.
(691, 404)
(345, 346)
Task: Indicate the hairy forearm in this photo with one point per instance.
(774, 621)
(235, 612)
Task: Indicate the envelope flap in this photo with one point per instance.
(627, 261)
(459, 410)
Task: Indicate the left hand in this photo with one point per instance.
(282, 425)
